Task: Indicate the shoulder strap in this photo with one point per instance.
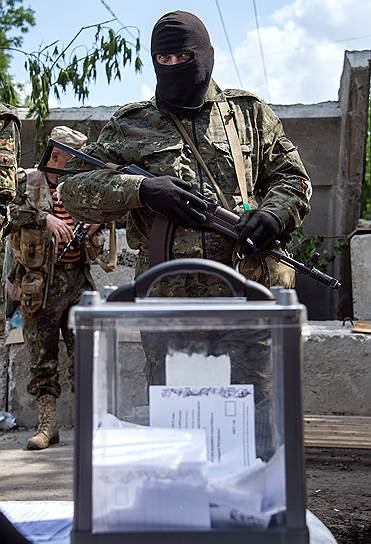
(112, 260)
(200, 160)
(227, 116)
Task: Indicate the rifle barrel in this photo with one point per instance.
(311, 271)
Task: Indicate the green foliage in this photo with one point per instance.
(15, 20)
(366, 208)
(8, 91)
(306, 245)
(54, 68)
(341, 245)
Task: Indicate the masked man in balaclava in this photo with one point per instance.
(145, 133)
(272, 197)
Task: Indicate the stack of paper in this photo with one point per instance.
(146, 478)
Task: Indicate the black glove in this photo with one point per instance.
(262, 228)
(170, 196)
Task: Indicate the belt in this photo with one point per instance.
(69, 266)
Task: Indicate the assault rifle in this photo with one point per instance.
(217, 218)
(79, 234)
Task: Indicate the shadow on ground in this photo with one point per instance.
(35, 475)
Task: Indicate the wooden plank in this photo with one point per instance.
(337, 432)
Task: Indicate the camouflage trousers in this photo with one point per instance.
(41, 332)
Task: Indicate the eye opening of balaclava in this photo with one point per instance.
(181, 88)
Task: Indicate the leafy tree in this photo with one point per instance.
(15, 20)
(55, 67)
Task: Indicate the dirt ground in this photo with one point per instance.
(338, 481)
(339, 492)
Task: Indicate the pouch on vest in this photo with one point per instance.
(33, 246)
(32, 293)
(15, 243)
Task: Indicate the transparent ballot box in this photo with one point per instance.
(188, 414)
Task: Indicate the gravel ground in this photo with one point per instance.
(338, 481)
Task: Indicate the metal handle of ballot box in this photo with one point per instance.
(240, 286)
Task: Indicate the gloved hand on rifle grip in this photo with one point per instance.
(261, 227)
(170, 196)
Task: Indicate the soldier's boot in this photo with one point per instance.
(47, 430)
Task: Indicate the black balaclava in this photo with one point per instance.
(181, 88)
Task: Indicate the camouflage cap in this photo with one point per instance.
(68, 136)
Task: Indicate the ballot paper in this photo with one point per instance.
(197, 369)
(225, 412)
(40, 521)
(149, 479)
(251, 497)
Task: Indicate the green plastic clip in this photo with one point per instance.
(245, 206)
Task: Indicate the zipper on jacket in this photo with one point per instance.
(200, 175)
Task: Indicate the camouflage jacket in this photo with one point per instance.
(9, 155)
(139, 133)
(33, 201)
(29, 210)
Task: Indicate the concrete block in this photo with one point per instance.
(360, 251)
(132, 383)
(336, 379)
(337, 365)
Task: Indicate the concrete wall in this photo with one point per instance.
(336, 377)
(331, 138)
(360, 250)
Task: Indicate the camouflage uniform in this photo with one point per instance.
(9, 155)
(276, 182)
(41, 330)
(140, 133)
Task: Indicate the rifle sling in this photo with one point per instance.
(112, 261)
(161, 239)
(227, 115)
(200, 160)
(163, 229)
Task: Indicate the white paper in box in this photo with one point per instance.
(148, 479)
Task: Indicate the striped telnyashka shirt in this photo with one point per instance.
(59, 211)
